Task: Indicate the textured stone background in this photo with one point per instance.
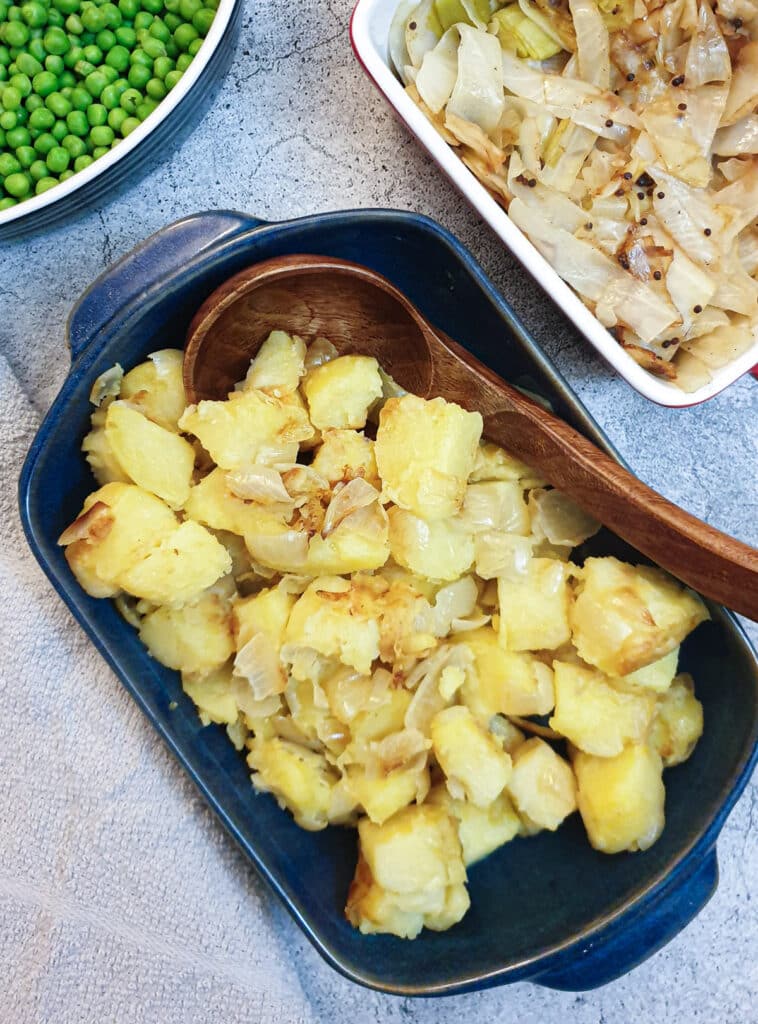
(297, 129)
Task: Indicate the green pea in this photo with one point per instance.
(66, 6)
(10, 97)
(74, 25)
(184, 36)
(72, 56)
(57, 160)
(93, 19)
(18, 136)
(194, 47)
(26, 156)
(66, 175)
(55, 19)
(162, 67)
(87, 38)
(5, 55)
(129, 9)
(58, 103)
(59, 131)
(36, 49)
(153, 6)
(145, 109)
(8, 165)
(139, 56)
(111, 75)
(189, 8)
(74, 146)
(139, 76)
(67, 80)
(143, 20)
(172, 78)
(110, 97)
(126, 36)
(34, 102)
(183, 61)
(128, 125)
(93, 54)
(17, 185)
(14, 13)
(80, 98)
(156, 89)
(82, 161)
(44, 184)
(118, 58)
(129, 100)
(16, 34)
(83, 68)
(160, 30)
(38, 169)
(95, 82)
(105, 39)
(153, 47)
(113, 16)
(203, 20)
(42, 119)
(172, 6)
(22, 83)
(99, 151)
(9, 120)
(3, 73)
(116, 118)
(45, 83)
(77, 122)
(97, 114)
(6, 202)
(28, 65)
(44, 143)
(54, 63)
(56, 41)
(101, 135)
(172, 21)
(34, 14)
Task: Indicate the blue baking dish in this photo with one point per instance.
(548, 909)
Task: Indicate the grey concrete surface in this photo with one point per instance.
(296, 129)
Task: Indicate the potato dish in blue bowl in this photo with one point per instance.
(548, 908)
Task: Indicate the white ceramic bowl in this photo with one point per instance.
(138, 151)
(370, 32)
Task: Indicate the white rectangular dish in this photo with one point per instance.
(370, 27)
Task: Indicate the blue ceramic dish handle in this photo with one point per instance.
(153, 260)
(621, 947)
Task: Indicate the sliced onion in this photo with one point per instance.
(92, 525)
(107, 385)
(319, 352)
(558, 518)
(258, 664)
(347, 499)
(286, 551)
(259, 483)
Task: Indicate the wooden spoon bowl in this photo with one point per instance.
(360, 312)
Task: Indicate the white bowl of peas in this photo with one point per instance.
(87, 93)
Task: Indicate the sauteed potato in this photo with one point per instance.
(382, 611)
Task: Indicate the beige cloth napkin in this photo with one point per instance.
(122, 900)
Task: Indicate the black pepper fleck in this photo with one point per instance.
(657, 275)
(737, 23)
(609, 123)
(532, 182)
(661, 195)
(697, 309)
(619, 192)
(588, 225)
(643, 221)
(628, 175)
(679, 80)
(412, 25)
(666, 344)
(707, 232)
(640, 195)
(645, 180)
(630, 77)
(682, 106)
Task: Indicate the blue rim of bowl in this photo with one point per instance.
(664, 882)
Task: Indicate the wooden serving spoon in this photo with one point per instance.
(360, 312)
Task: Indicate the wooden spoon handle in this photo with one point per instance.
(714, 564)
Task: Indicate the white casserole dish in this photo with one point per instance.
(369, 32)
